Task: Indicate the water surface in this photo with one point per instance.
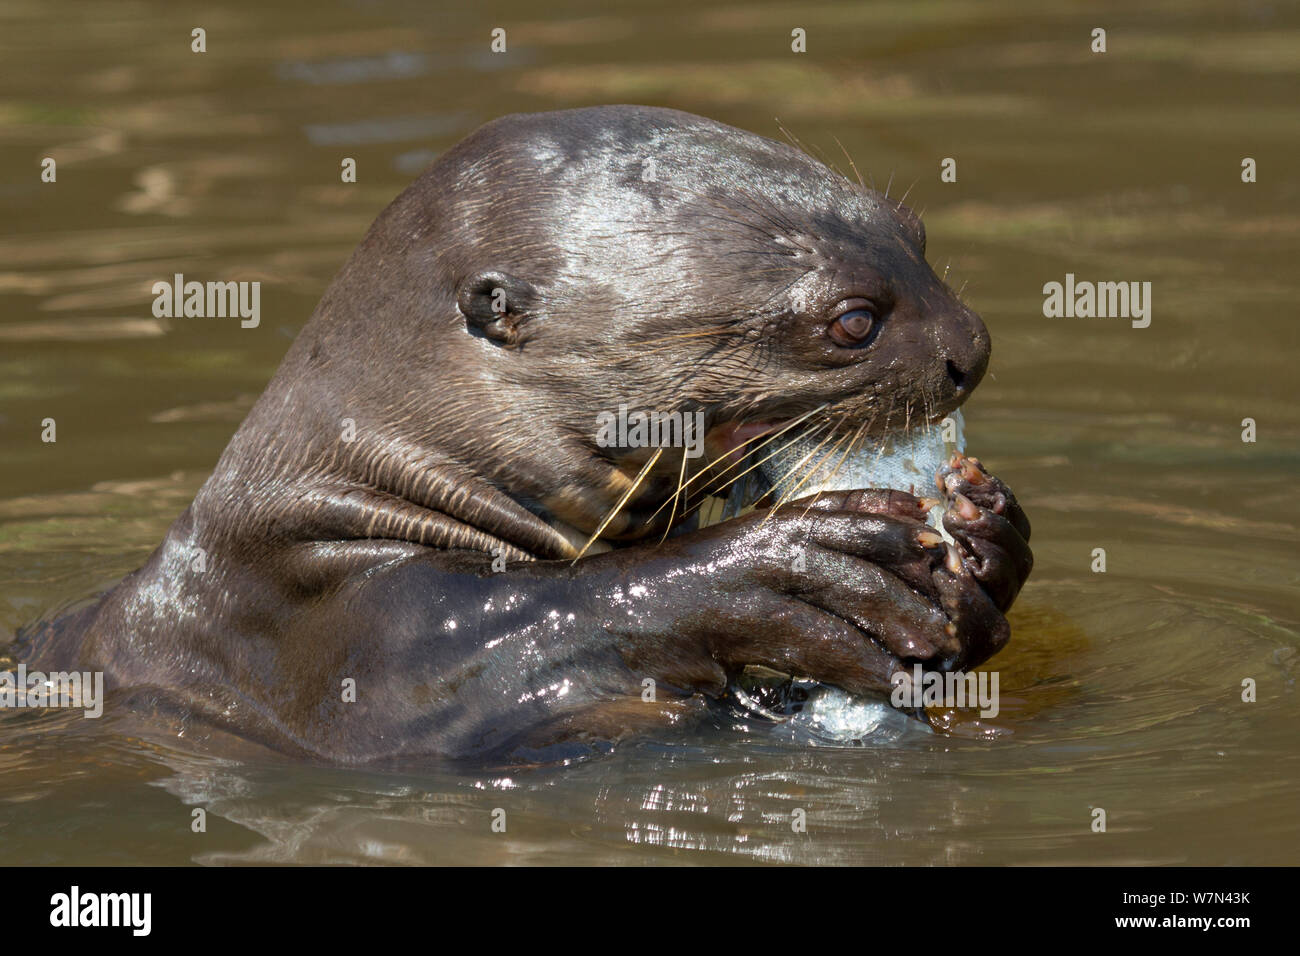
(1120, 690)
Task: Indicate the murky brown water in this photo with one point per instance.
(1120, 690)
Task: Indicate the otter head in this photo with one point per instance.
(553, 270)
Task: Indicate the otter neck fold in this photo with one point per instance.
(387, 490)
(403, 494)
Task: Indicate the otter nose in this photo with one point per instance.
(958, 376)
(966, 349)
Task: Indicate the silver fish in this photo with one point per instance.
(905, 461)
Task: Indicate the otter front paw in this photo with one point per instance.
(990, 527)
(836, 588)
(968, 477)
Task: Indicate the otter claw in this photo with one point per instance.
(952, 560)
(929, 539)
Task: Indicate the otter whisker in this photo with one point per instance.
(845, 442)
(687, 335)
(794, 468)
(852, 164)
(621, 502)
(768, 438)
(758, 464)
(681, 477)
(820, 155)
(830, 479)
(722, 481)
(826, 161)
(794, 140)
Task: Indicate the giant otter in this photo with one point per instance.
(410, 504)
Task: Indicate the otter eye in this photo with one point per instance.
(853, 325)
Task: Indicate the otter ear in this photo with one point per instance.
(496, 304)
